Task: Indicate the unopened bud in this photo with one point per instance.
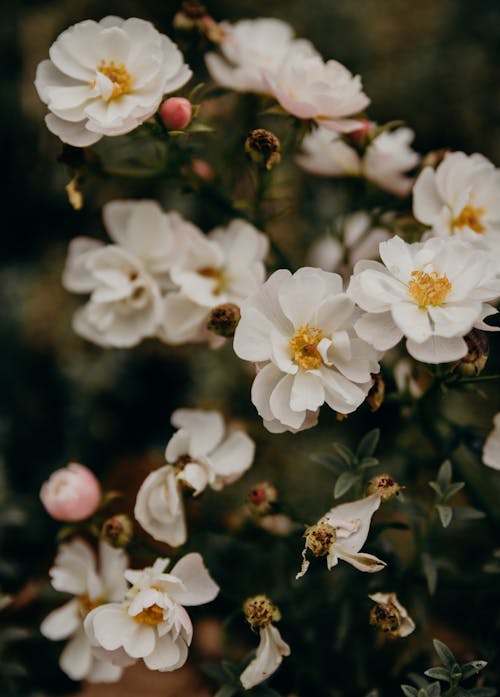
(260, 611)
(261, 498)
(176, 113)
(383, 485)
(224, 319)
(118, 530)
(376, 394)
(361, 135)
(202, 169)
(193, 9)
(474, 362)
(263, 147)
(75, 196)
(434, 158)
(319, 538)
(386, 617)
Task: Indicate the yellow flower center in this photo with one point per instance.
(260, 611)
(216, 275)
(86, 605)
(429, 288)
(304, 347)
(119, 76)
(150, 615)
(470, 217)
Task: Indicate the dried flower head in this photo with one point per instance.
(224, 319)
(118, 530)
(261, 498)
(383, 485)
(319, 538)
(389, 616)
(263, 147)
(260, 611)
(474, 362)
(375, 397)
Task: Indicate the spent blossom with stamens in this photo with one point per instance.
(199, 454)
(431, 292)
(460, 198)
(341, 533)
(107, 77)
(386, 160)
(151, 623)
(260, 613)
(125, 279)
(251, 48)
(225, 266)
(389, 616)
(299, 330)
(309, 88)
(75, 571)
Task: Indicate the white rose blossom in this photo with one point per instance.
(461, 198)
(75, 571)
(491, 448)
(299, 330)
(250, 48)
(385, 161)
(359, 240)
(431, 292)
(260, 613)
(198, 455)
(341, 533)
(107, 77)
(390, 616)
(125, 279)
(309, 88)
(225, 266)
(152, 623)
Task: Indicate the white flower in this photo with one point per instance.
(106, 78)
(460, 198)
(309, 88)
(385, 161)
(152, 623)
(299, 329)
(225, 266)
(252, 47)
(390, 616)
(75, 572)
(125, 279)
(198, 456)
(268, 658)
(432, 292)
(341, 533)
(491, 448)
(359, 240)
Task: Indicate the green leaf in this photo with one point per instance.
(444, 475)
(472, 668)
(200, 128)
(430, 572)
(368, 462)
(344, 483)
(445, 515)
(345, 453)
(227, 691)
(409, 691)
(330, 462)
(453, 488)
(437, 489)
(467, 513)
(482, 692)
(368, 444)
(444, 653)
(439, 673)
(434, 690)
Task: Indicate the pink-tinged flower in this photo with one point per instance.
(199, 454)
(341, 533)
(385, 161)
(460, 198)
(71, 493)
(107, 77)
(309, 88)
(250, 49)
(299, 329)
(176, 113)
(491, 448)
(77, 572)
(152, 623)
(431, 292)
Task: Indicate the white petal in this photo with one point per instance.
(252, 336)
(199, 586)
(379, 330)
(299, 295)
(234, 456)
(438, 349)
(140, 641)
(63, 622)
(111, 625)
(76, 658)
(166, 654)
(361, 561)
(359, 513)
(206, 429)
(269, 655)
(412, 320)
(265, 381)
(279, 403)
(307, 392)
(427, 203)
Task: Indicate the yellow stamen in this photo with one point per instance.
(470, 217)
(429, 288)
(304, 347)
(119, 76)
(150, 615)
(86, 605)
(216, 275)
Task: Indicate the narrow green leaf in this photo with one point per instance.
(445, 515)
(330, 462)
(368, 462)
(344, 483)
(437, 489)
(345, 453)
(439, 673)
(434, 690)
(444, 475)
(472, 668)
(409, 691)
(467, 513)
(368, 444)
(453, 488)
(444, 653)
(430, 572)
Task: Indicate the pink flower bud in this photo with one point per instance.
(202, 169)
(71, 493)
(361, 134)
(176, 113)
